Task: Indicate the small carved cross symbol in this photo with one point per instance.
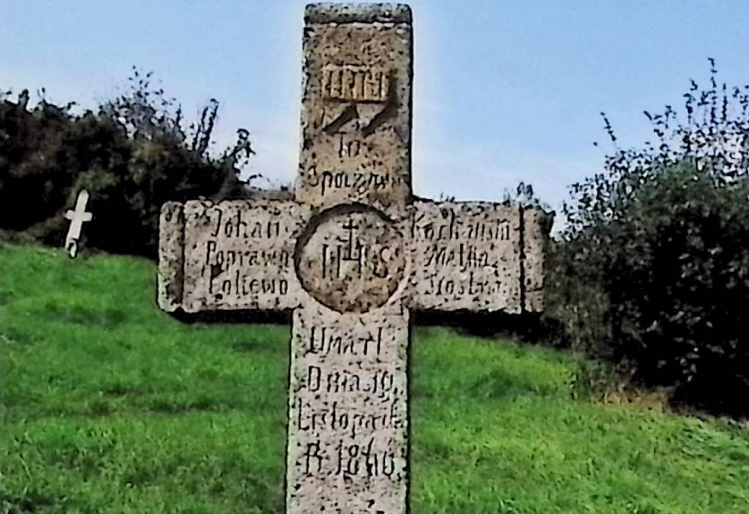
(76, 217)
(349, 227)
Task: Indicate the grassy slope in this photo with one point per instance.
(109, 406)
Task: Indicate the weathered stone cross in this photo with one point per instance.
(351, 255)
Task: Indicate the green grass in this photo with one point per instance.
(111, 406)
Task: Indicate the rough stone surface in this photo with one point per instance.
(348, 412)
(351, 258)
(536, 226)
(348, 436)
(356, 110)
(350, 253)
(466, 256)
(353, 13)
(240, 254)
(171, 256)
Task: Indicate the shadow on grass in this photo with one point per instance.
(104, 317)
(29, 502)
(525, 327)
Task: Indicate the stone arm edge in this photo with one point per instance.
(327, 12)
(170, 282)
(536, 232)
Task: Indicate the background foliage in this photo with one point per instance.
(132, 153)
(652, 271)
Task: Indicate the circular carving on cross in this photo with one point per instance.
(350, 258)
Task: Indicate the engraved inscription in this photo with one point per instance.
(351, 83)
(447, 226)
(236, 270)
(351, 421)
(348, 148)
(462, 286)
(347, 381)
(351, 258)
(350, 460)
(323, 342)
(466, 255)
(240, 254)
(359, 181)
(356, 113)
(348, 409)
(234, 226)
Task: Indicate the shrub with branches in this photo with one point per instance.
(132, 154)
(652, 272)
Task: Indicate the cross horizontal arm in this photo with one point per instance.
(229, 255)
(79, 216)
(472, 256)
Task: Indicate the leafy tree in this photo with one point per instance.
(30, 142)
(132, 154)
(653, 269)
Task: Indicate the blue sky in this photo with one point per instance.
(504, 90)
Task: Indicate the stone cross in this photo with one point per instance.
(76, 217)
(352, 254)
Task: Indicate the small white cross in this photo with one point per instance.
(76, 217)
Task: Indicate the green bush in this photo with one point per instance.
(652, 273)
(132, 154)
(33, 180)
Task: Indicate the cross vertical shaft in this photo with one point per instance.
(348, 395)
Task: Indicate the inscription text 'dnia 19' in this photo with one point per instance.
(351, 255)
